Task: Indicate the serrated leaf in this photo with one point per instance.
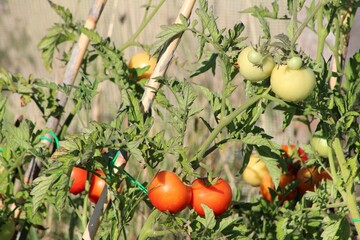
(206, 65)
(209, 221)
(226, 222)
(42, 186)
(281, 226)
(167, 34)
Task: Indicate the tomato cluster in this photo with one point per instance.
(295, 182)
(168, 193)
(291, 81)
(79, 177)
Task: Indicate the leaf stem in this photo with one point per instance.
(298, 32)
(144, 23)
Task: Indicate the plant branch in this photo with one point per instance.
(142, 26)
(223, 123)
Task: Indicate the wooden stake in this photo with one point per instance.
(147, 99)
(164, 60)
(71, 72)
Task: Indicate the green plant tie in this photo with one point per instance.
(49, 140)
(132, 179)
(1, 149)
(356, 220)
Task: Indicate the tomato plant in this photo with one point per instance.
(96, 186)
(78, 176)
(217, 196)
(253, 66)
(292, 84)
(193, 117)
(254, 171)
(143, 60)
(168, 193)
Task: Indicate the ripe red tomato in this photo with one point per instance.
(291, 154)
(309, 177)
(96, 187)
(267, 184)
(141, 60)
(216, 196)
(168, 193)
(78, 185)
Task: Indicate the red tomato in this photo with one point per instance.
(96, 187)
(299, 156)
(216, 196)
(290, 152)
(168, 193)
(309, 177)
(267, 184)
(78, 185)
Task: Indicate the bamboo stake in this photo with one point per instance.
(147, 99)
(164, 60)
(71, 72)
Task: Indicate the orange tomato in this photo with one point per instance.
(141, 60)
(285, 179)
(96, 187)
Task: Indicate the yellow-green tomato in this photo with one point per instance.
(292, 85)
(255, 171)
(141, 60)
(251, 71)
(321, 146)
(7, 229)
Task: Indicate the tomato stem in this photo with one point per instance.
(144, 23)
(222, 124)
(349, 195)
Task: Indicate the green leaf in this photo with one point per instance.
(64, 13)
(226, 222)
(40, 191)
(167, 34)
(206, 65)
(281, 226)
(209, 221)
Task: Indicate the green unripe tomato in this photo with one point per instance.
(255, 57)
(251, 71)
(7, 229)
(294, 63)
(321, 146)
(292, 85)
